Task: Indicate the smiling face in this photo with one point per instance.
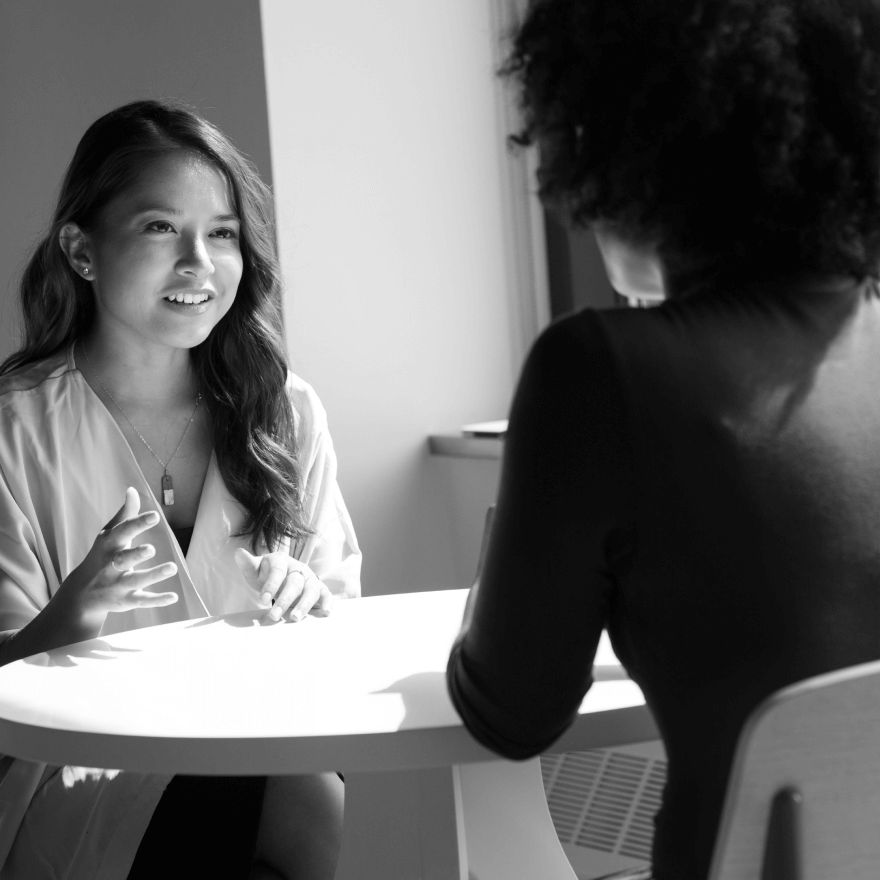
(165, 256)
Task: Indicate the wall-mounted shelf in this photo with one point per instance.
(459, 446)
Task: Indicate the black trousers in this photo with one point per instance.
(203, 826)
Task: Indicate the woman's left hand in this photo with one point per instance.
(290, 583)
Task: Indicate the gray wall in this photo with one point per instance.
(62, 65)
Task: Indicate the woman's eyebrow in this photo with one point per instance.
(157, 209)
(176, 212)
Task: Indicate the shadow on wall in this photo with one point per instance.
(441, 506)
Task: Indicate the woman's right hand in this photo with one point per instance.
(106, 579)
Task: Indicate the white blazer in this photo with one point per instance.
(64, 469)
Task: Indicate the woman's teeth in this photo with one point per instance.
(188, 298)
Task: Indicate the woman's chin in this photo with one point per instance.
(193, 337)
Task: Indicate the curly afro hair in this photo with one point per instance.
(738, 136)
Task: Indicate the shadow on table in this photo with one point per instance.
(425, 699)
(239, 619)
(98, 649)
(94, 649)
(246, 619)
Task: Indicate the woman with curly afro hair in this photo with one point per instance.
(701, 478)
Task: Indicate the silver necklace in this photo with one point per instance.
(167, 482)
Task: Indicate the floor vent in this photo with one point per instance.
(606, 799)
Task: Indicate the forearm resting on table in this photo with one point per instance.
(53, 627)
(496, 715)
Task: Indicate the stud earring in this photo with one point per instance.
(86, 271)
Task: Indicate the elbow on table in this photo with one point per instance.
(516, 736)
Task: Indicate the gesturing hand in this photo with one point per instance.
(288, 581)
(106, 579)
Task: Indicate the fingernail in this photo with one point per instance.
(296, 615)
(169, 568)
(275, 613)
(266, 597)
(152, 517)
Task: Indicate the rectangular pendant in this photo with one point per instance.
(167, 490)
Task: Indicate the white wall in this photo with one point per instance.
(62, 65)
(388, 166)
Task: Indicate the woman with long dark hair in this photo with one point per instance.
(701, 478)
(153, 374)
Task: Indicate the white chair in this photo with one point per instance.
(484, 544)
(803, 802)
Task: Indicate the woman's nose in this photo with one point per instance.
(195, 259)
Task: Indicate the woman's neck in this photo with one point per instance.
(139, 375)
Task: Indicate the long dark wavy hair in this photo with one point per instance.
(241, 367)
(729, 134)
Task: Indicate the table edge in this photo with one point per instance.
(247, 756)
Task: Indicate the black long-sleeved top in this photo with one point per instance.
(703, 479)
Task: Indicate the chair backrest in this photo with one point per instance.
(803, 801)
(484, 546)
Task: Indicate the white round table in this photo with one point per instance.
(362, 691)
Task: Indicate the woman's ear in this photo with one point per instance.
(75, 244)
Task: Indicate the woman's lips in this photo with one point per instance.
(188, 296)
(185, 308)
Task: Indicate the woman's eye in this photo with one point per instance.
(160, 226)
(225, 233)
